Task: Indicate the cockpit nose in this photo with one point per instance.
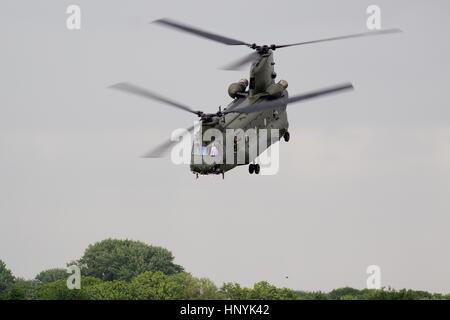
(206, 168)
(206, 157)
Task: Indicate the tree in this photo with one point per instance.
(23, 290)
(58, 290)
(125, 259)
(260, 291)
(391, 294)
(52, 275)
(347, 292)
(180, 286)
(208, 290)
(6, 279)
(110, 290)
(183, 286)
(234, 291)
(315, 295)
(266, 291)
(149, 286)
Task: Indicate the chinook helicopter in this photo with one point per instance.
(257, 104)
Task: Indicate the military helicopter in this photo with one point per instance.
(257, 104)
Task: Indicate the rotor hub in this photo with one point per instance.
(263, 49)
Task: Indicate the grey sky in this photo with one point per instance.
(365, 179)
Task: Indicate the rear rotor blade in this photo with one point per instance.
(164, 147)
(201, 33)
(238, 64)
(356, 35)
(144, 93)
(281, 102)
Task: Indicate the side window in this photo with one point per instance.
(252, 83)
(276, 115)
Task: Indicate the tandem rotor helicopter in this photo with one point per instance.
(257, 104)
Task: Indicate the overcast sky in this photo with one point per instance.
(364, 180)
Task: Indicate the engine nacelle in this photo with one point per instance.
(239, 87)
(276, 90)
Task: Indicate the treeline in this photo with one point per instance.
(132, 270)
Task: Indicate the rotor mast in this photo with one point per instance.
(262, 72)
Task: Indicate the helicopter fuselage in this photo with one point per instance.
(262, 76)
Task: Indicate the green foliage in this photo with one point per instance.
(265, 291)
(234, 291)
(149, 286)
(110, 290)
(58, 290)
(158, 286)
(390, 294)
(125, 259)
(23, 290)
(347, 292)
(52, 275)
(260, 291)
(182, 286)
(315, 295)
(6, 279)
(208, 290)
(132, 270)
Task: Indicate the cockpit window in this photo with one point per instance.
(197, 148)
(213, 150)
(204, 149)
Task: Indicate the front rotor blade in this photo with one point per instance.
(281, 102)
(164, 147)
(238, 64)
(201, 33)
(356, 35)
(135, 90)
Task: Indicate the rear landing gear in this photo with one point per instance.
(286, 136)
(254, 168)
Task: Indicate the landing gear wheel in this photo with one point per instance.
(257, 168)
(286, 136)
(251, 168)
